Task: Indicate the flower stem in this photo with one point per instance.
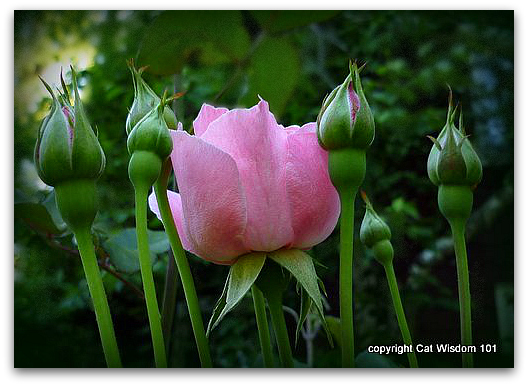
(345, 277)
(187, 281)
(168, 304)
(262, 325)
(97, 292)
(149, 288)
(464, 297)
(281, 332)
(400, 314)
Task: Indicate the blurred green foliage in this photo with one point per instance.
(292, 59)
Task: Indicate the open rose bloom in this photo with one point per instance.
(249, 184)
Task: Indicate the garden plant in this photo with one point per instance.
(247, 201)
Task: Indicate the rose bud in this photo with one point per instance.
(149, 143)
(345, 119)
(67, 146)
(145, 99)
(452, 160)
(375, 234)
(68, 156)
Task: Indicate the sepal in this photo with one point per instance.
(241, 277)
(302, 268)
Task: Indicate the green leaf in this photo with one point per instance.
(37, 217)
(176, 36)
(301, 266)
(122, 248)
(282, 20)
(241, 277)
(273, 73)
(51, 206)
(366, 359)
(158, 242)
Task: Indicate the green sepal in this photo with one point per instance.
(306, 303)
(88, 158)
(334, 325)
(241, 277)
(53, 147)
(301, 266)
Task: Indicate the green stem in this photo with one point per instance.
(464, 297)
(148, 279)
(168, 304)
(262, 325)
(345, 277)
(281, 332)
(400, 314)
(185, 272)
(97, 292)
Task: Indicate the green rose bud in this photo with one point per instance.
(68, 157)
(375, 234)
(145, 99)
(149, 143)
(67, 147)
(151, 133)
(345, 119)
(452, 159)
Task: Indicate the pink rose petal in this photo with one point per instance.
(207, 115)
(314, 201)
(257, 144)
(213, 202)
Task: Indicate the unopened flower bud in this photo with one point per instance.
(452, 159)
(345, 119)
(149, 143)
(145, 99)
(375, 234)
(68, 157)
(67, 147)
(151, 134)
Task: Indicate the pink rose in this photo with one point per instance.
(249, 184)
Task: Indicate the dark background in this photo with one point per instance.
(292, 59)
